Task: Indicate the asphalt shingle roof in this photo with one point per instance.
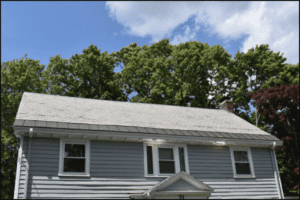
(93, 114)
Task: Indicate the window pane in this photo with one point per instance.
(166, 167)
(149, 160)
(240, 156)
(181, 158)
(74, 150)
(242, 168)
(74, 165)
(165, 153)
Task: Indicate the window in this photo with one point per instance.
(149, 160)
(74, 158)
(242, 162)
(165, 160)
(181, 159)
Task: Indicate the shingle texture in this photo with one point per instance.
(73, 110)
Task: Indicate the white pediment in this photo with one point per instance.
(180, 185)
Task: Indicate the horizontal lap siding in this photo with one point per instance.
(209, 162)
(116, 171)
(213, 166)
(262, 163)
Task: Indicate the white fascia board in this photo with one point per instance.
(147, 136)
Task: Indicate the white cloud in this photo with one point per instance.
(188, 36)
(273, 23)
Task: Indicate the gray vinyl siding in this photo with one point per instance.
(213, 166)
(117, 171)
(117, 159)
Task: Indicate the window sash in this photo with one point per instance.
(64, 157)
(238, 170)
(245, 153)
(244, 161)
(79, 168)
(166, 160)
(163, 170)
(242, 164)
(72, 143)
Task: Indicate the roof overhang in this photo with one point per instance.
(140, 137)
(203, 189)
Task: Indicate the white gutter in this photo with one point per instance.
(146, 136)
(28, 161)
(277, 175)
(18, 172)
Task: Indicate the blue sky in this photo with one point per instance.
(44, 29)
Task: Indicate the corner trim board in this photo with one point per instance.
(27, 168)
(19, 160)
(277, 175)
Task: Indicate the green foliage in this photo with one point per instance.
(17, 76)
(88, 75)
(289, 75)
(259, 61)
(174, 75)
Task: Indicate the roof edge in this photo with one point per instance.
(137, 129)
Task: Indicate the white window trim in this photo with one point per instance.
(235, 175)
(87, 155)
(156, 159)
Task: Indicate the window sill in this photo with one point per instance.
(243, 176)
(75, 175)
(158, 176)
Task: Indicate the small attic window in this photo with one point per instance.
(242, 164)
(74, 158)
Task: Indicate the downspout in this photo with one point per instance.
(28, 161)
(19, 161)
(277, 172)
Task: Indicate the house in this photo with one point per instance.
(86, 148)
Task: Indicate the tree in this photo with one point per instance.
(88, 75)
(285, 126)
(289, 74)
(17, 76)
(258, 61)
(173, 75)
